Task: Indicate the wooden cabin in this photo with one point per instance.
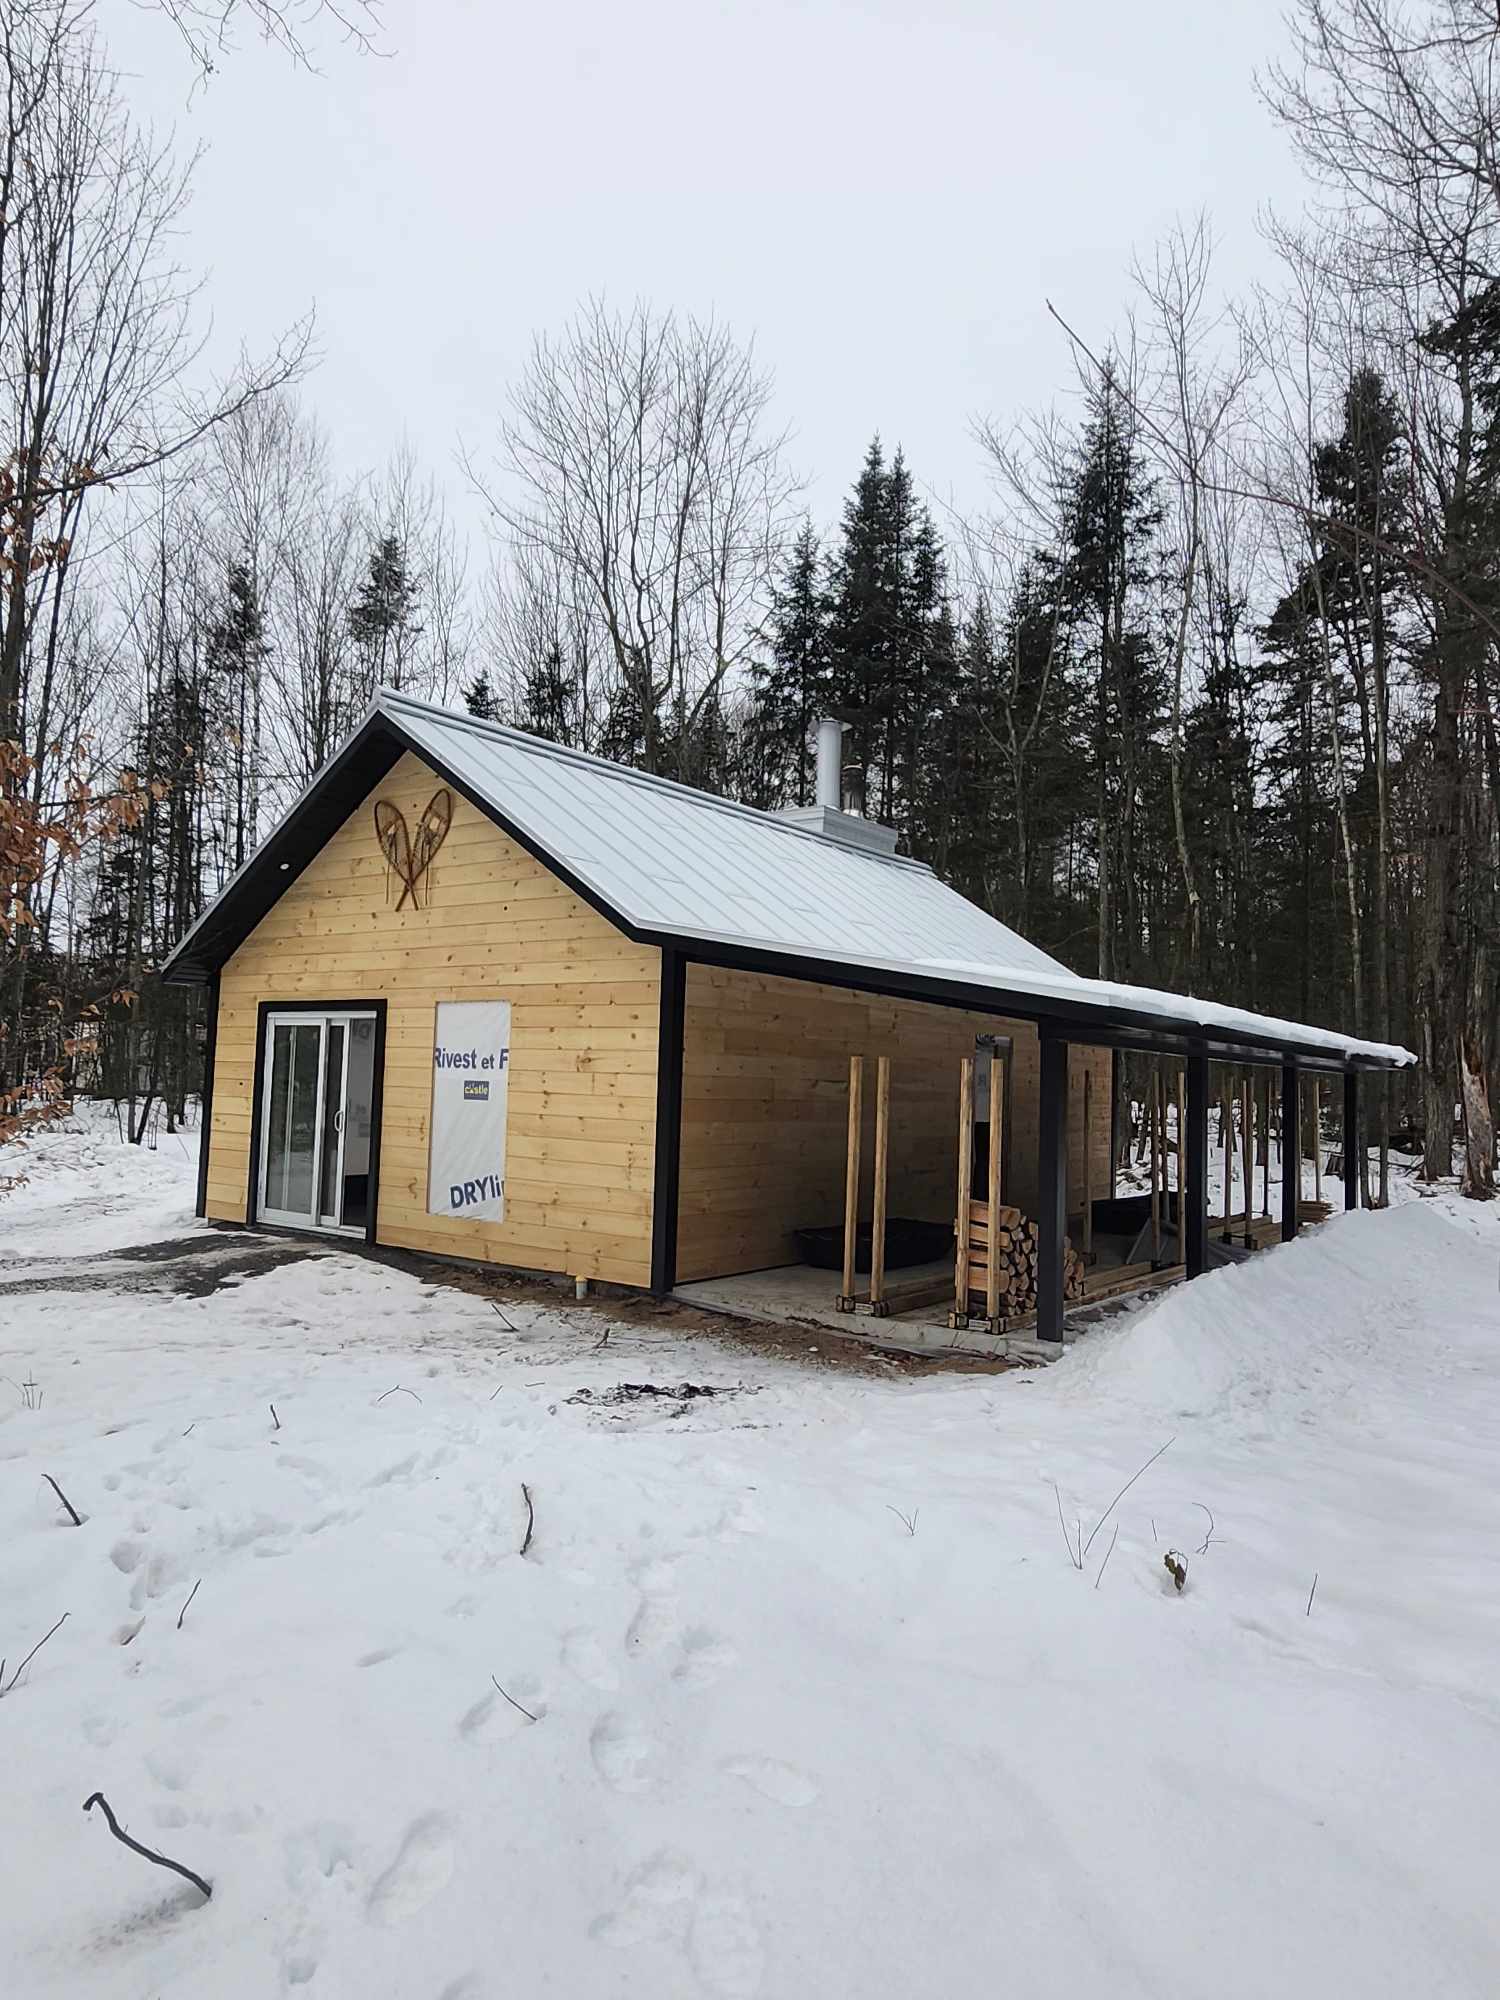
(482, 996)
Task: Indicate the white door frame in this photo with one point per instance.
(313, 1217)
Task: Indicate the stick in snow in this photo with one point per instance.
(397, 1390)
(1107, 1554)
(274, 1418)
(98, 1799)
(908, 1521)
(77, 1517)
(514, 1703)
(1311, 1595)
(1073, 1555)
(190, 1596)
(1121, 1494)
(6, 1686)
(530, 1516)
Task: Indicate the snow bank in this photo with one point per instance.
(1319, 1324)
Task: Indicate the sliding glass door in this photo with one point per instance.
(316, 1120)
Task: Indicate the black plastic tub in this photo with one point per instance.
(1127, 1214)
(906, 1243)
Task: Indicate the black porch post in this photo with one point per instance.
(1192, 1203)
(1353, 1139)
(668, 1122)
(1052, 1185)
(1291, 1150)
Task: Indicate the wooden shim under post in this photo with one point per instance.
(1088, 1167)
(882, 1160)
(1158, 1161)
(992, 1220)
(1247, 1148)
(960, 1314)
(851, 1180)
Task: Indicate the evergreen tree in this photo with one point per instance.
(236, 651)
(382, 619)
(892, 650)
(1112, 517)
(792, 687)
(479, 699)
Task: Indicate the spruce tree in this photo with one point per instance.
(792, 686)
(382, 619)
(479, 699)
(236, 650)
(1112, 516)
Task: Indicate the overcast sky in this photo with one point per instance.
(883, 193)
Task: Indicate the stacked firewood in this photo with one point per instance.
(1015, 1251)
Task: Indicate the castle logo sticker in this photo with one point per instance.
(470, 1080)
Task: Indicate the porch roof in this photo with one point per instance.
(724, 883)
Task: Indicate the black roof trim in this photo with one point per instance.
(339, 789)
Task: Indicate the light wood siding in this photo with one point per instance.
(493, 925)
(765, 1105)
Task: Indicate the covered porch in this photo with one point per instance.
(994, 1132)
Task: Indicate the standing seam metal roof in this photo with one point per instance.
(677, 865)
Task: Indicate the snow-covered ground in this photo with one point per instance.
(822, 1704)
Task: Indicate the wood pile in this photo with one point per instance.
(1015, 1250)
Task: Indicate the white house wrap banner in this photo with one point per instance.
(470, 1073)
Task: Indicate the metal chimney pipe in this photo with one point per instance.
(829, 784)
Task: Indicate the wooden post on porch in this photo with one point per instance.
(1226, 1121)
(1181, 1157)
(1052, 1184)
(960, 1314)
(1353, 1146)
(1247, 1149)
(1265, 1146)
(1157, 1123)
(851, 1180)
(882, 1162)
(1291, 1150)
(992, 1218)
(1195, 1200)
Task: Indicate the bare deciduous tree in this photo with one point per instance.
(638, 460)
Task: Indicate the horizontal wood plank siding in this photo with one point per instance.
(493, 924)
(765, 1103)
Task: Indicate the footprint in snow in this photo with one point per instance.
(625, 1757)
(422, 1869)
(782, 1783)
(656, 1906)
(706, 1658)
(725, 1948)
(583, 1656)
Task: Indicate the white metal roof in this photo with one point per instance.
(676, 864)
(669, 858)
